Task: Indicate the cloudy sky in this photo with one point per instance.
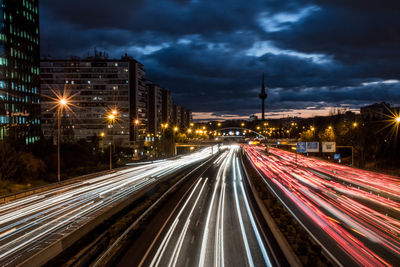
(316, 54)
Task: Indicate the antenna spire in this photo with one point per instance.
(263, 95)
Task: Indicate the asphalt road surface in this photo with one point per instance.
(30, 224)
(213, 224)
(352, 213)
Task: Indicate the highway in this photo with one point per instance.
(352, 213)
(30, 224)
(213, 224)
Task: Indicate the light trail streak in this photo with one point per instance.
(36, 220)
(360, 229)
(250, 214)
(221, 196)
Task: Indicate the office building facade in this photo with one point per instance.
(19, 70)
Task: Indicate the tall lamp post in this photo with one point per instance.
(136, 136)
(62, 102)
(111, 119)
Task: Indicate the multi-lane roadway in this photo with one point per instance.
(213, 224)
(30, 224)
(353, 214)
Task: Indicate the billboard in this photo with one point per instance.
(329, 147)
(312, 146)
(301, 147)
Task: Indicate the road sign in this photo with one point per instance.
(312, 146)
(301, 147)
(329, 147)
(336, 156)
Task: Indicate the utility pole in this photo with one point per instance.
(262, 96)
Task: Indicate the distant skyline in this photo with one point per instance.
(316, 54)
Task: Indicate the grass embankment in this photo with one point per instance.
(9, 187)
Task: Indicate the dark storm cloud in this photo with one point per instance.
(211, 53)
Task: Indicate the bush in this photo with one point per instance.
(8, 161)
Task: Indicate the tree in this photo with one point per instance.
(306, 136)
(327, 135)
(8, 161)
(31, 167)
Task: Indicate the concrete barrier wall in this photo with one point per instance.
(59, 246)
(280, 238)
(43, 256)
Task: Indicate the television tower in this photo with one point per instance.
(262, 96)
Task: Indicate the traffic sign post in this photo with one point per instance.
(312, 146)
(300, 148)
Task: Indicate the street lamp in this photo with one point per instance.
(136, 122)
(62, 102)
(398, 119)
(111, 119)
(355, 124)
(176, 129)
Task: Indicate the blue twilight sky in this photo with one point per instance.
(316, 54)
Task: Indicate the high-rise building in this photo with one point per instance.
(166, 106)
(19, 70)
(98, 85)
(176, 115)
(155, 107)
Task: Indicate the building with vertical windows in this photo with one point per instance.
(186, 117)
(155, 107)
(97, 85)
(166, 106)
(176, 115)
(19, 70)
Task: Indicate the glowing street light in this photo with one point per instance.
(219, 124)
(176, 129)
(398, 119)
(111, 119)
(62, 103)
(242, 124)
(355, 124)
